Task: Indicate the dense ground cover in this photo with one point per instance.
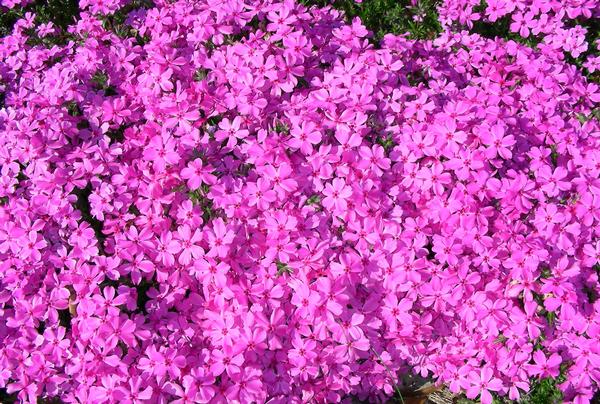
(238, 201)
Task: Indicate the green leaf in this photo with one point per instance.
(314, 200)
(282, 268)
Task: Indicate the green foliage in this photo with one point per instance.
(282, 268)
(390, 16)
(101, 82)
(592, 26)
(7, 398)
(313, 200)
(387, 143)
(200, 74)
(553, 155)
(543, 391)
(73, 109)
(595, 114)
(64, 13)
(142, 296)
(116, 135)
(61, 12)
(245, 169)
(116, 22)
(7, 21)
(281, 128)
(83, 205)
(501, 29)
(200, 197)
(64, 318)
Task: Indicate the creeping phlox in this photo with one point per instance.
(562, 26)
(250, 201)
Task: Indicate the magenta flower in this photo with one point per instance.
(222, 201)
(303, 351)
(260, 194)
(115, 110)
(446, 250)
(167, 248)
(161, 152)
(188, 242)
(544, 366)
(219, 239)
(481, 383)
(374, 159)
(433, 178)
(336, 194)
(553, 181)
(497, 143)
(305, 136)
(247, 386)
(305, 300)
(196, 174)
(228, 359)
(119, 330)
(395, 312)
(31, 245)
(231, 131)
(134, 393)
(188, 393)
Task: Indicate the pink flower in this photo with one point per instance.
(115, 110)
(219, 239)
(336, 194)
(434, 178)
(553, 181)
(497, 142)
(303, 351)
(482, 383)
(223, 201)
(374, 159)
(188, 394)
(305, 136)
(305, 300)
(352, 349)
(134, 393)
(448, 136)
(419, 108)
(446, 250)
(161, 152)
(188, 242)
(117, 330)
(207, 270)
(166, 248)
(247, 386)
(260, 194)
(281, 178)
(110, 301)
(395, 312)
(545, 366)
(196, 174)
(153, 362)
(231, 131)
(31, 246)
(228, 359)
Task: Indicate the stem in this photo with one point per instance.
(390, 375)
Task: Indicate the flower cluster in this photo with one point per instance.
(9, 4)
(555, 22)
(248, 201)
